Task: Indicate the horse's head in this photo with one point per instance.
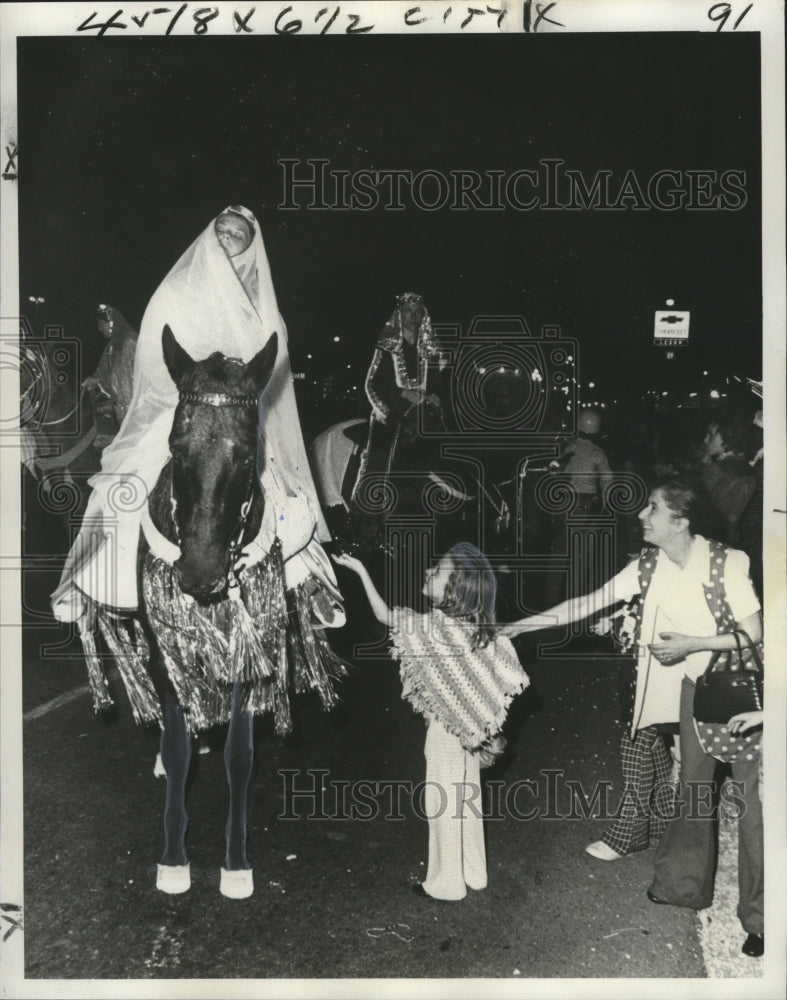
(213, 442)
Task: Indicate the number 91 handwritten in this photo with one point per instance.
(721, 12)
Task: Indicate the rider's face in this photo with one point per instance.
(411, 319)
(233, 233)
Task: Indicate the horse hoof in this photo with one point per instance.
(238, 884)
(158, 768)
(173, 878)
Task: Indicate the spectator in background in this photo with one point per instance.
(584, 463)
(750, 525)
(725, 472)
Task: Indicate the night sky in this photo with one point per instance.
(130, 146)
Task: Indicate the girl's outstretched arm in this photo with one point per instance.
(380, 609)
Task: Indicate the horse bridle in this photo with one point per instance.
(221, 400)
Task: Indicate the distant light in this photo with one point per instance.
(665, 393)
(670, 302)
(704, 373)
(309, 356)
(336, 340)
(501, 369)
(714, 394)
(536, 376)
(692, 395)
(349, 366)
(482, 371)
(516, 371)
(591, 385)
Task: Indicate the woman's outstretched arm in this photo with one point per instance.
(567, 612)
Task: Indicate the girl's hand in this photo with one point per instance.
(672, 649)
(349, 562)
(743, 721)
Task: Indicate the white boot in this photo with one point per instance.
(238, 884)
(173, 879)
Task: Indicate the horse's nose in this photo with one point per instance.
(197, 586)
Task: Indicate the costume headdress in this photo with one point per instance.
(244, 213)
(414, 301)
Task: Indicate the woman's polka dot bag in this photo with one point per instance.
(719, 742)
(715, 738)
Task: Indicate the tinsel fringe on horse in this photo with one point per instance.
(260, 635)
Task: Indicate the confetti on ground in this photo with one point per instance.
(393, 929)
(721, 934)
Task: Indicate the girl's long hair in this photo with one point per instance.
(471, 592)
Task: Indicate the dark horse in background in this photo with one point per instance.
(207, 503)
(357, 507)
(61, 438)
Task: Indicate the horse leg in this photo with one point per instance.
(173, 869)
(236, 875)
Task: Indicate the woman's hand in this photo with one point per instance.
(745, 720)
(673, 648)
(516, 628)
(349, 562)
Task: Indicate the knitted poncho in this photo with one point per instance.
(467, 691)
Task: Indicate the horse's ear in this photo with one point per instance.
(259, 369)
(178, 361)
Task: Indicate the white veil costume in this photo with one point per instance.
(212, 303)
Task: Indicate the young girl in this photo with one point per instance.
(461, 679)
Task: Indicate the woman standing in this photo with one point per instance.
(693, 593)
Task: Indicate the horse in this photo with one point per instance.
(208, 504)
(404, 491)
(60, 438)
(212, 643)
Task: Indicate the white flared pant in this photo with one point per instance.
(453, 807)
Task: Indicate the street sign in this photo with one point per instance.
(671, 328)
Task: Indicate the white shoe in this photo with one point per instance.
(237, 884)
(173, 878)
(598, 849)
(158, 768)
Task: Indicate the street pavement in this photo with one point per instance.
(333, 897)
